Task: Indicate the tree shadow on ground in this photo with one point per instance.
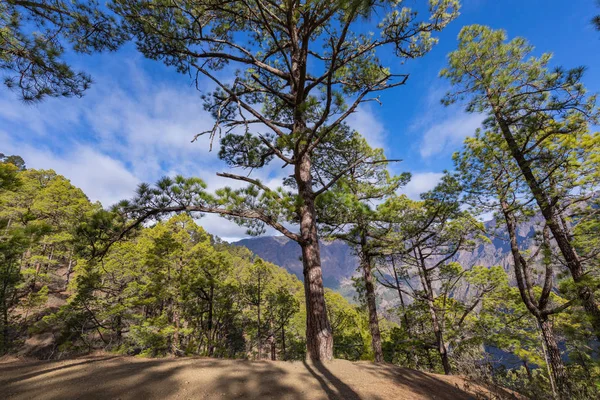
(82, 380)
(126, 378)
(435, 386)
(202, 378)
(334, 387)
(42, 371)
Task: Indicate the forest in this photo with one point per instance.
(143, 278)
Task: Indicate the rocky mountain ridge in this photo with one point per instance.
(340, 263)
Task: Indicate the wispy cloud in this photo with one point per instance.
(421, 182)
(101, 177)
(448, 134)
(118, 136)
(442, 129)
(133, 129)
(366, 122)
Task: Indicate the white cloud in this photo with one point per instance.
(118, 136)
(364, 120)
(227, 230)
(101, 177)
(134, 128)
(448, 133)
(421, 182)
(442, 129)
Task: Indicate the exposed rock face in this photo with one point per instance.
(340, 263)
(337, 258)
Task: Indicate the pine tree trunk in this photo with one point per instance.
(528, 370)
(209, 336)
(439, 338)
(273, 348)
(401, 297)
(258, 337)
(319, 339)
(69, 269)
(554, 359)
(437, 328)
(410, 354)
(283, 356)
(444, 355)
(371, 302)
(5, 327)
(552, 352)
(176, 340)
(7, 226)
(49, 259)
(559, 232)
(119, 327)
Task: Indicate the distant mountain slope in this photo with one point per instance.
(338, 259)
(340, 263)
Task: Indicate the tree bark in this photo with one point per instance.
(273, 348)
(283, 356)
(319, 339)
(437, 329)
(258, 337)
(537, 309)
(373, 318)
(209, 336)
(371, 302)
(528, 370)
(176, 340)
(5, 328)
(405, 319)
(553, 357)
(69, 269)
(561, 236)
(401, 297)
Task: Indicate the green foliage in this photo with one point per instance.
(173, 289)
(37, 216)
(33, 36)
(8, 177)
(9, 168)
(349, 327)
(303, 111)
(296, 65)
(535, 153)
(538, 122)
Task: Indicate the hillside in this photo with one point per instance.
(203, 378)
(340, 263)
(338, 259)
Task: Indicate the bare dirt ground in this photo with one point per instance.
(116, 377)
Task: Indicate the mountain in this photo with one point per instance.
(340, 263)
(338, 260)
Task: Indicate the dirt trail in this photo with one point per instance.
(110, 377)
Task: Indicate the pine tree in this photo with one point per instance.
(492, 184)
(298, 61)
(425, 237)
(542, 116)
(346, 213)
(33, 35)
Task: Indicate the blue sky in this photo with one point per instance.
(136, 122)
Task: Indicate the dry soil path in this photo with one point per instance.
(109, 377)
